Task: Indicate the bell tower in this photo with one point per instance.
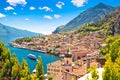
(68, 57)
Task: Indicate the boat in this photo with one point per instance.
(31, 56)
(34, 71)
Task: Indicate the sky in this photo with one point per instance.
(44, 16)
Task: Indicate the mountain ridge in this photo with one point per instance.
(108, 26)
(90, 15)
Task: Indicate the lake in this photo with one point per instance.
(22, 54)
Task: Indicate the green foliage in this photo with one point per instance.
(20, 40)
(111, 39)
(50, 78)
(4, 53)
(88, 28)
(5, 67)
(111, 70)
(94, 73)
(112, 48)
(24, 73)
(15, 71)
(11, 70)
(112, 65)
(39, 69)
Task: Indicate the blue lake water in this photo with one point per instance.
(22, 53)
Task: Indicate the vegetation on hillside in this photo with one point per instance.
(112, 64)
(20, 40)
(112, 53)
(94, 73)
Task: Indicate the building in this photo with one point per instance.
(67, 68)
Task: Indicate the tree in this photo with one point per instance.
(118, 67)
(39, 69)
(4, 53)
(94, 74)
(50, 78)
(112, 53)
(112, 48)
(15, 71)
(24, 72)
(5, 66)
(111, 70)
(4, 71)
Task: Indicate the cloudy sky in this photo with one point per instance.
(43, 16)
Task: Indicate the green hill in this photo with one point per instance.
(90, 15)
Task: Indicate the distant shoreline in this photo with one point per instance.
(32, 50)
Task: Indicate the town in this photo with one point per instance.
(77, 53)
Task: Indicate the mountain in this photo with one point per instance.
(108, 26)
(90, 15)
(9, 31)
(115, 27)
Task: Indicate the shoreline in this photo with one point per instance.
(34, 50)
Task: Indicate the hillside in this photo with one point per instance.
(110, 25)
(9, 31)
(90, 15)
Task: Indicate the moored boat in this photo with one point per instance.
(31, 56)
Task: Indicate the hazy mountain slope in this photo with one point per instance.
(9, 31)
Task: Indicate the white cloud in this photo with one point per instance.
(32, 8)
(2, 15)
(15, 2)
(60, 4)
(48, 17)
(8, 8)
(57, 16)
(14, 13)
(46, 8)
(79, 3)
(27, 19)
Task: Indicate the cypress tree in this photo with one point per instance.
(24, 72)
(39, 69)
